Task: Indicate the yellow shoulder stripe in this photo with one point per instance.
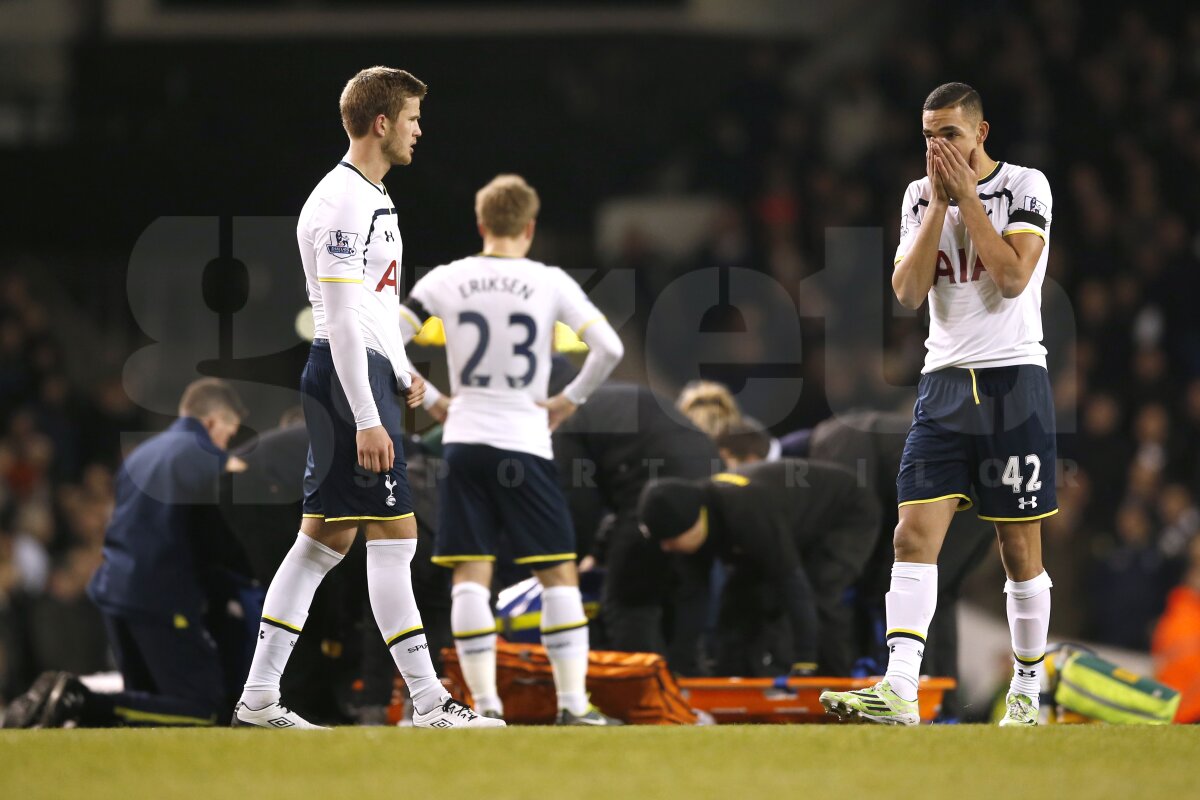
(731, 477)
(339, 280)
(410, 319)
(587, 325)
(1034, 231)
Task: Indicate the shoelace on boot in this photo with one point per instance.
(452, 706)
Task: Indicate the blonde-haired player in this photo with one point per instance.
(499, 309)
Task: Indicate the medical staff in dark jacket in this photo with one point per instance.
(151, 585)
(802, 529)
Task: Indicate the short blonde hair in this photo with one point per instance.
(210, 396)
(375, 91)
(709, 405)
(506, 205)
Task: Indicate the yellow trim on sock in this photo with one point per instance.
(133, 715)
(560, 628)
(391, 639)
(905, 630)
(961, 507)
(288, 625)
(465, 634)
(1019, 519)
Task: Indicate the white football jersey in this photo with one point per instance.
(499, 316)
(970, 323)
(348, 233)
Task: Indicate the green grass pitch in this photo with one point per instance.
(733, 762)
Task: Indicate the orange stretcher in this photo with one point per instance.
(784, 700)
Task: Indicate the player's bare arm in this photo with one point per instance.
(1010, 260)
(913, 275)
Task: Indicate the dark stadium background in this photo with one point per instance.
(800, 127)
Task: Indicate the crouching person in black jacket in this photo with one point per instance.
(794, 534)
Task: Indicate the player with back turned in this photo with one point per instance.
(351, 250)
(974, 238)
(499, 309)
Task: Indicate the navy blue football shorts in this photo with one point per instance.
(336, 487)
(990, 430)
(488, 492)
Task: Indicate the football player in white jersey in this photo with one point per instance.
(351, 250)
(499, 309)
(974, 238)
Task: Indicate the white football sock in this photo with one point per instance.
(389, 584)
(565, 636)
(910, 607)
(285, 610)
(474, 630)
(1029, 623)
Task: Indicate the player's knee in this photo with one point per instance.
(564, 574)
(914, 543)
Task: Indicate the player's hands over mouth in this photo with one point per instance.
(415, 391)
(375, 453)
(935, 180)
(957, 173)
(559, 409)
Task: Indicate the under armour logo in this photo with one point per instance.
(387, 235)
(1031, 673)
(1031, 502)
(390, 483)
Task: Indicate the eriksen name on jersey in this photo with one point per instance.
(505, 284)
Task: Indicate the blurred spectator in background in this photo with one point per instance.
(1125, 618)
(1176, 645)
(709, 405)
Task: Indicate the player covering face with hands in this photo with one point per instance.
(974, 238)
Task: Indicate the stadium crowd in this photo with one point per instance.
(796, 148)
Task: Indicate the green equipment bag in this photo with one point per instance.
(1099, 689)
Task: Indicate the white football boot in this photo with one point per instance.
(272, 716)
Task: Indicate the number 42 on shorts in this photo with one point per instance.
(1012, 473)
